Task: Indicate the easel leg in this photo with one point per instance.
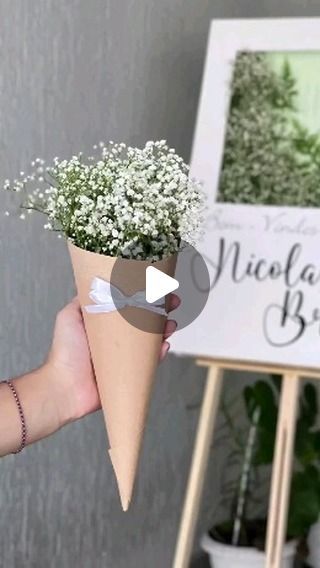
(201, 452)
(282, 469)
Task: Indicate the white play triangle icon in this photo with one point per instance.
(158, 284)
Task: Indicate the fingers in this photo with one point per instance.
(75, 304)
(71, 310)
(164, 350)
(169, 329)
(174, 302)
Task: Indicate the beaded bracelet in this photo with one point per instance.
(21, 414)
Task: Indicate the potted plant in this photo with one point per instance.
(239, 540)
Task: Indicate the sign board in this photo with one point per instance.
(257, 151)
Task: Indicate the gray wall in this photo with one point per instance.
(72, 73)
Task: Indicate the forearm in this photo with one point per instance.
(40, 407)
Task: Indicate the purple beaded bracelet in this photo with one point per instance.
(21, 414)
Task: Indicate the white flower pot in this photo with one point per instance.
(314, 545)
(224, 555)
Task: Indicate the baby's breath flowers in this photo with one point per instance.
(129, 202)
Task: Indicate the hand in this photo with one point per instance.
(69, 365)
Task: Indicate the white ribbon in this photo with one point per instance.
(108, 298)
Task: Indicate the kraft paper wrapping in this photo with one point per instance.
(124, 357)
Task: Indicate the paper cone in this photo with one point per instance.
(124, 357)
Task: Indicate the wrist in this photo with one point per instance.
(58, 390)
(40, 403)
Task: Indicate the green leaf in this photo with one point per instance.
(265, 399)
(308, 407)
(316, 444)
(276, 379)
(264, 447)
(262, 396)
(305, 445)
(310, 395)
(304, 502)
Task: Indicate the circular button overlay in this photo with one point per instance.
(141, 290)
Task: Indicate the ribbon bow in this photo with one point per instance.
(108, 298)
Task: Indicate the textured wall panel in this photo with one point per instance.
(71, 73)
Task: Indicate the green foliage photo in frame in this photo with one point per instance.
(272, 145)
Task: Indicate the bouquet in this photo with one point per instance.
(134, 207)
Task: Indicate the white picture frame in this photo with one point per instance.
(231, 325)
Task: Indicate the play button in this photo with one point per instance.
(158, 284)
(141, 290)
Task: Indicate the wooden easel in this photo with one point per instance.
(282, 464)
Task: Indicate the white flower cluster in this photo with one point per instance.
(130, 202)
